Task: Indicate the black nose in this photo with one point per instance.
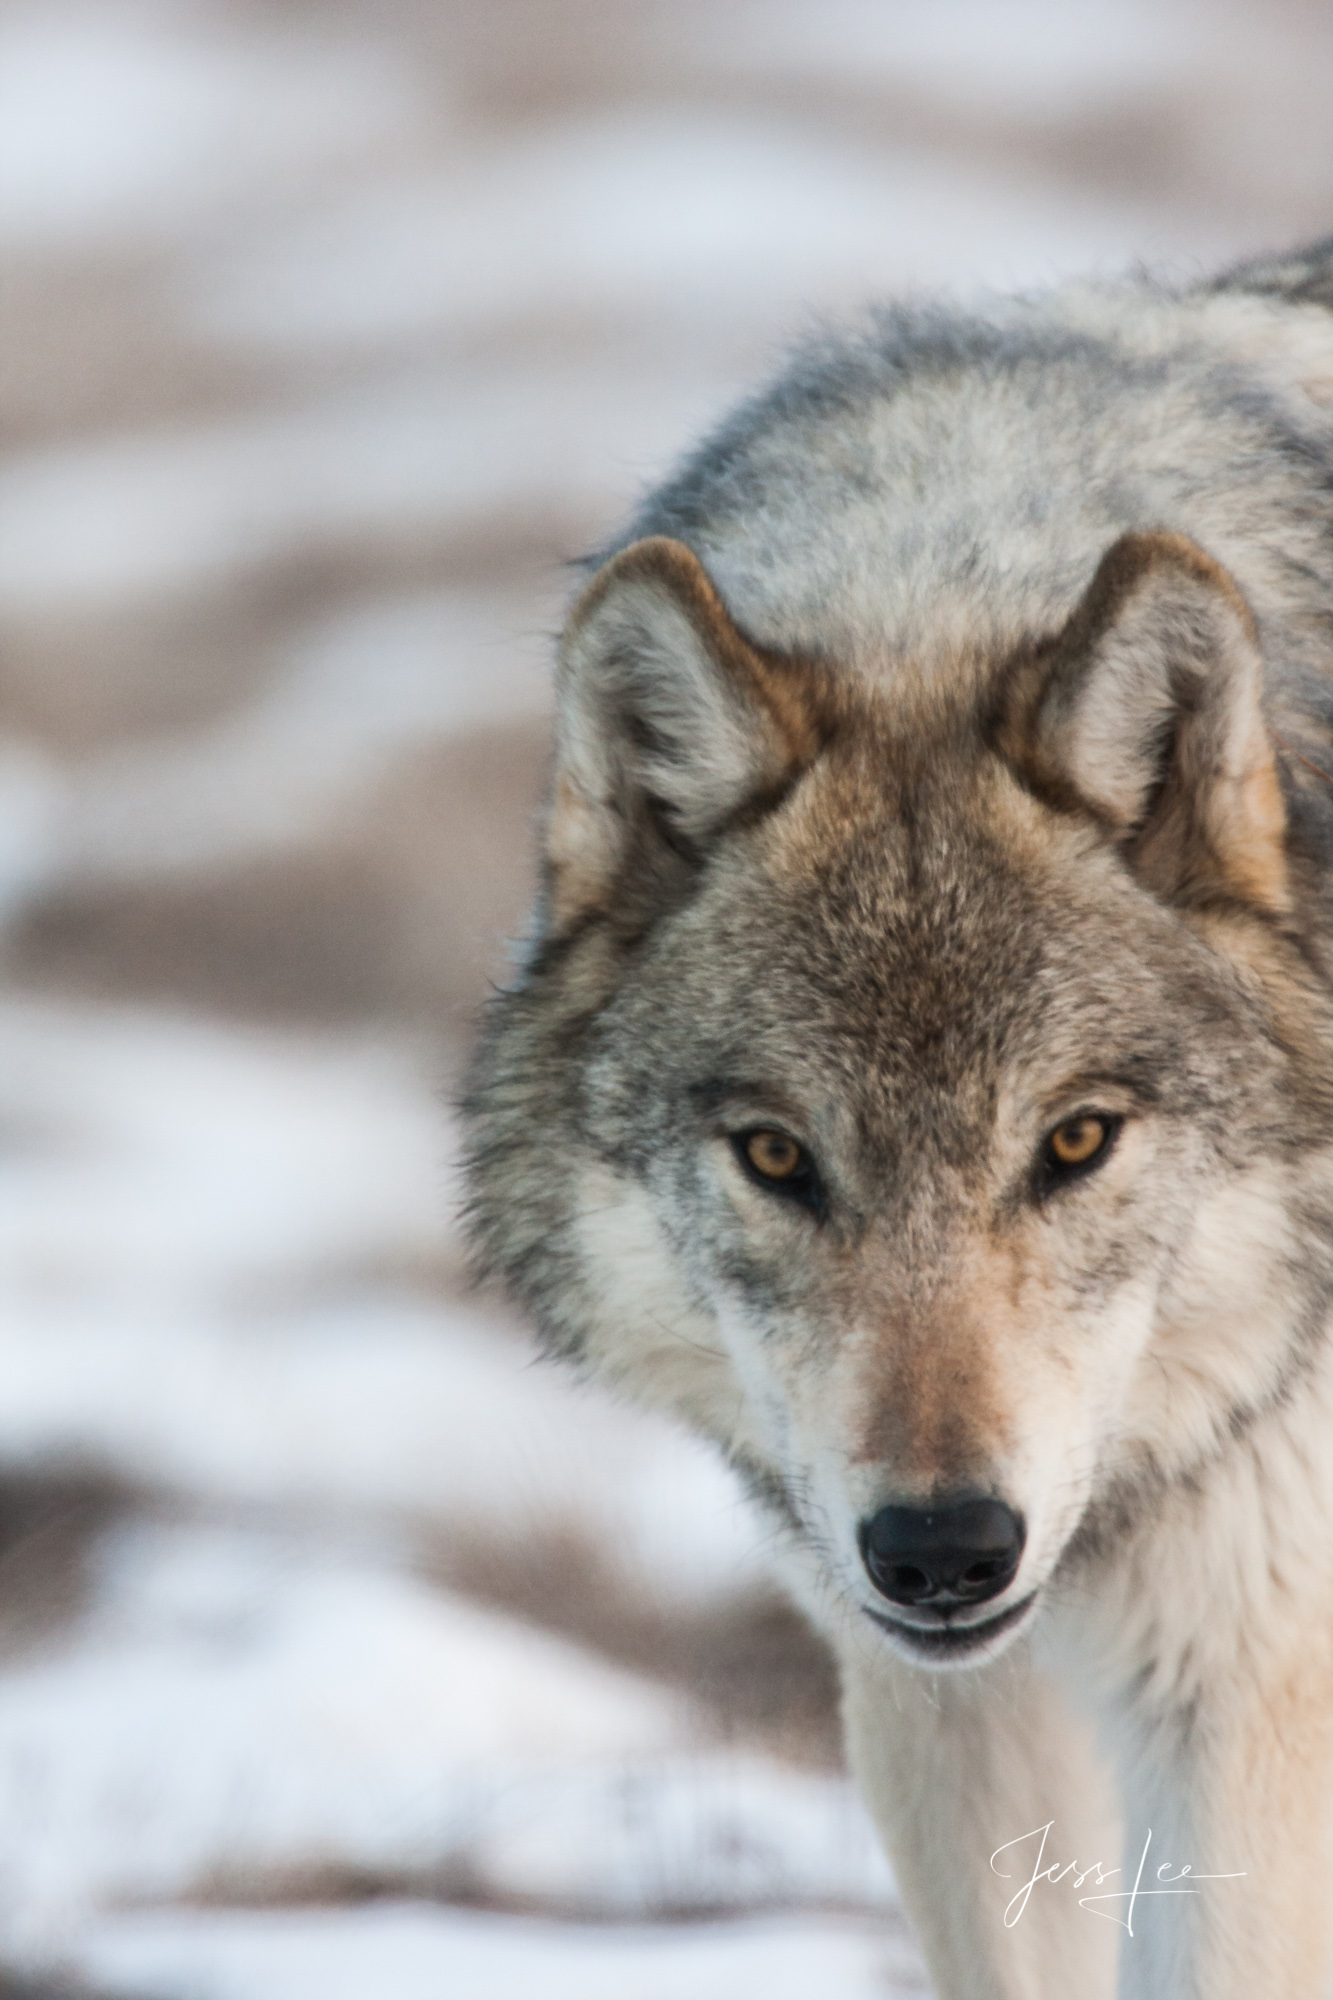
(949, 1555)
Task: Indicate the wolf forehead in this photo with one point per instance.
(904, 947)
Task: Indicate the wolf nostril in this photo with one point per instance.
(909, 1583)
(959, 1554)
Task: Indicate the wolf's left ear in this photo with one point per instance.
(1146, 711)
(669, 723)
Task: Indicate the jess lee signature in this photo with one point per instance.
(1164, 1883)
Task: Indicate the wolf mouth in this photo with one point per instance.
(954, 1642)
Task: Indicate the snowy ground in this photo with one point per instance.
(344, 1651)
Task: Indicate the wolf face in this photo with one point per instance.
(917, 1085)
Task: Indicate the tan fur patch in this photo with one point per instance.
(932, 1406)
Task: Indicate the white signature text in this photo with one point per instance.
(1168, 1881)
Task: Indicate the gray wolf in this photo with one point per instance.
(921, 1082)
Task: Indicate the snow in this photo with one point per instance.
(237, 1707)
(170, 1160)
(114, 519)
(642, 216)
(414, 1953)
(189, 1233)
(347, 692)
(700, 1832)
(384, 1407)
(1027, 58)
(140, 121)
(34, 809)
(245, 1709)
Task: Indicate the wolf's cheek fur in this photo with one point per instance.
(1216, 1356)
(645, 1326)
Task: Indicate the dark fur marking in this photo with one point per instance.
(767, 1489)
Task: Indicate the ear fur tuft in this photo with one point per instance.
(1146, 711)
(669, 723)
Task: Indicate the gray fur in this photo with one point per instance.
(988, 779)
(989, 461)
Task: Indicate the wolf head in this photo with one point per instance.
(919, 1092)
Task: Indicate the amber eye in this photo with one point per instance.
(775, 1160)
(1075, 1142)
(1075, 1147)
(773, 1154)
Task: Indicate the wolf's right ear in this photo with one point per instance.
(669, 723)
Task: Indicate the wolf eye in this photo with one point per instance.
(1075, 1147)
(1075, 1142)
(778, 1161)
(773, 1155)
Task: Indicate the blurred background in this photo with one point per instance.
(345, 1652)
